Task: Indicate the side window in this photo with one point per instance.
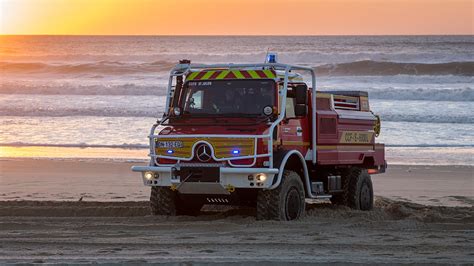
(290, 104)
(290, 107)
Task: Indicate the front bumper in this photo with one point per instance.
(229, 179)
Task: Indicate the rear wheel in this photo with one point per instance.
(285, 203)
(164, 201)
(357, 190)
(361, 193)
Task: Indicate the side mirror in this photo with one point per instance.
(301, 94)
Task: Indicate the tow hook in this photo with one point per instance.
(230, 188)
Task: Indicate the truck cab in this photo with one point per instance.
(258, 135)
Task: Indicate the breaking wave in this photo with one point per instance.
(117, 111)
(380, 68)
(83, 89)
(427, 118)
(114, 111)
(356, 68)
(97, 68)
(77, 145)
(456, 95)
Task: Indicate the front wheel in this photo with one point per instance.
(164, 201)
(284, 203)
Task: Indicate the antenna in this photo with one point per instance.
(266, 55)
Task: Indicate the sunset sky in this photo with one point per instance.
(237, 17)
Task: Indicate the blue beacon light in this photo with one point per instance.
(169, 151)
(235, 152)
(271, 58)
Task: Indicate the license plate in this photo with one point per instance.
(169, 144)
(199, 174)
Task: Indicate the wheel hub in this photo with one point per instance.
(293, 204)
(365, 197)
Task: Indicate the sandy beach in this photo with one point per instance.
(423, 215)
(123, 232)
(108, 180)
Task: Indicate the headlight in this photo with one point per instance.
(149, 175)
(177, 111)
(261, 177)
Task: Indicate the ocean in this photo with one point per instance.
(93, 92)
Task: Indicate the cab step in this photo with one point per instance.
(318, 190)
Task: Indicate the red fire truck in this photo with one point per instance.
(258, 135)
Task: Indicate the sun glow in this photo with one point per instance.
(70, 152)
(236, 17)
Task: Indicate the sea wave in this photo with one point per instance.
(91, 111)
(356, 68)
(381, 68)
(457, 95)
(427, 118)
(384, 92)
(76, 145)
(127, 88)
(429, 145)
(96, 68)
(157, 112)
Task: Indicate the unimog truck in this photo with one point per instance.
(259, 135)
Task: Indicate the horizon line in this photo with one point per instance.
(240, 35)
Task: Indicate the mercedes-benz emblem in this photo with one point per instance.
(203, 152)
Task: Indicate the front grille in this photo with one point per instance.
(200, 165)
(222, 147)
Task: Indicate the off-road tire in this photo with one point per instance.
(361, 192)
(357, 188)
(164, 201)
(284, 203)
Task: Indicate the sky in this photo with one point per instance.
(237, 17)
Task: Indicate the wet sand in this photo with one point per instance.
(101, 180)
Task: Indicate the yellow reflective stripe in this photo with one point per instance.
(238, 74)
(192, 75)
(254, 74)
(223, 74)
(208, 74)
(269, 73)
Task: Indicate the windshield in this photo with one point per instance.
(228, 97)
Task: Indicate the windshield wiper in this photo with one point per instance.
(239, 115)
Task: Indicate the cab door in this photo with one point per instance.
(294, 128)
